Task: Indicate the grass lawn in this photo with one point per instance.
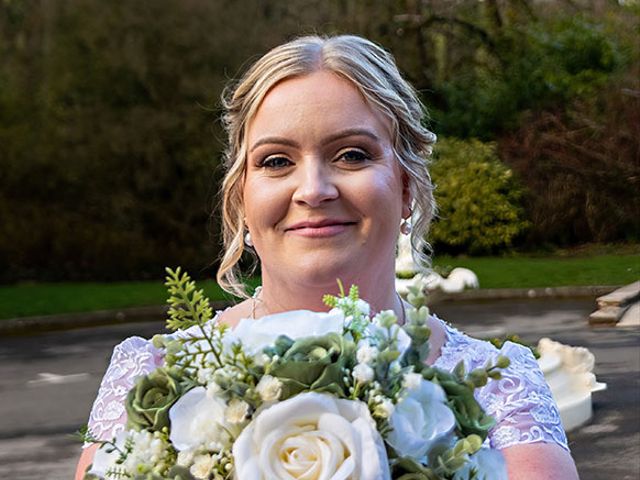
(51, 298)
(493, 272)
(529, 272)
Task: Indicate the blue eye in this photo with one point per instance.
(275, 162)
(354, 156)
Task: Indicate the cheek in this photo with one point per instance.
(379, 196)
(264, 204)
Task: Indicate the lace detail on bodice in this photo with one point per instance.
(521, 401)
(131, 359)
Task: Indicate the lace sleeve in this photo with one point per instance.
(521, 401)
(132, 358)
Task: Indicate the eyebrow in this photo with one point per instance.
(350, 132)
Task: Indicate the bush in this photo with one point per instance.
(581, 169)
(477, 197)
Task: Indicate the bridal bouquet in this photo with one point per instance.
(300, 395)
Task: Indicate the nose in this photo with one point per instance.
(315, 184)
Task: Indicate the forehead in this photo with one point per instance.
(315, 104)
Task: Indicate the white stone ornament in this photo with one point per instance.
(569, 372)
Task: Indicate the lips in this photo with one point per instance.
(326, 227)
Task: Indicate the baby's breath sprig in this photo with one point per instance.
(356, 320)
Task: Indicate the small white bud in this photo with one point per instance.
(363, 373)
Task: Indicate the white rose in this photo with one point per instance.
(420, 421)
(311, 435)
(255, 335)
(198, 419)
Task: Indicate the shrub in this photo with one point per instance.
(477, 197)
(581, 168)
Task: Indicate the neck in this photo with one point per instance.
(283, 294)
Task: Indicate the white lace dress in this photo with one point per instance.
(521, 401)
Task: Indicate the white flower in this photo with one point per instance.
(237, 411)
(205, 375)
(420, 421)
(363, 306)
(255, 335)
(148, 449)
(366, 353)
(202, 466)
(269, 388)
(198, 420)
(363, 373)
(385, 408)
(185, 458)
(212, 390)
(311, 435)
(488, 464)
(411, 380)
(104, 460)
(403, 338)
(385, 318)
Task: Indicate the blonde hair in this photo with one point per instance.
(374, 72)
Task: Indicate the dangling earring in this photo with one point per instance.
(405, 227)
(247, 240)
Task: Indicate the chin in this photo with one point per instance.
(325, 272)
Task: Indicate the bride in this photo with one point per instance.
(326, 162)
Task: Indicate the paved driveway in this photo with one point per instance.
(48, 382)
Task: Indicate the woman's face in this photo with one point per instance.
(323, 191)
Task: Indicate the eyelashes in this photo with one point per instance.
(275, 162)
(350, 157)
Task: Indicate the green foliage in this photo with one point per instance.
(188, 306)
(110, 145)
(532, 65)
(477, 198)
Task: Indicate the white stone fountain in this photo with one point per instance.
(458, 280)
(569, 372)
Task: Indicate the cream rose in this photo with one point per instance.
(255, 335)
(311, 436)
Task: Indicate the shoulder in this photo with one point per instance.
(232, 315)
(458, 346)
(521, 401)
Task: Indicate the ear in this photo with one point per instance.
(406, 196)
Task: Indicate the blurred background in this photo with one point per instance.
(110, 143)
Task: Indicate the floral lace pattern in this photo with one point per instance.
(132, 358)
(521, 401)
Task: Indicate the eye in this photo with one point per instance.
(353, 156)
(275, 163)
